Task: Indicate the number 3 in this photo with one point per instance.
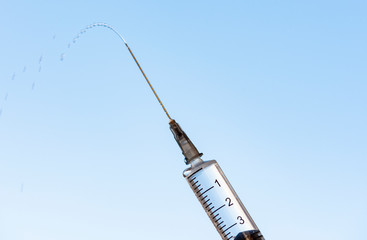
(241, 220)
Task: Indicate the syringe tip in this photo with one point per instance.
(188, 148)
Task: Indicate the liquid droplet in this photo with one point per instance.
(6, 96)
(54, 37)
(13, 77)
(39, 69)
(40, 60)
(33, 85)
(62, 57)
(24, 69)
(69, 45)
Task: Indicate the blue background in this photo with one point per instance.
(273, 90)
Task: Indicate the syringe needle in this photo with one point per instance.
(101, 24)
(150, 85)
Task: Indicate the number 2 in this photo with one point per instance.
(229, 201)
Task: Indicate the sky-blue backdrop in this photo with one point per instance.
(273, 90)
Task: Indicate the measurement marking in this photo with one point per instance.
(206, 201)
(195, 172)
(217, 209)
(220, 223)
(193, 179)
(197, 187)
(230, 237)
(208, 205)
(222, 227)
(199, 190)
(210, 209)
(203, 198)
(229, 227)
(227, 234)
(194, 183)
(218, 218)
(206, 191)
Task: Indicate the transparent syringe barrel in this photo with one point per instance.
(221, 202)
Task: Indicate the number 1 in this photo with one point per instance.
(216, 181)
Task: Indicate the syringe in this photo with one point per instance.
(208, 182)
